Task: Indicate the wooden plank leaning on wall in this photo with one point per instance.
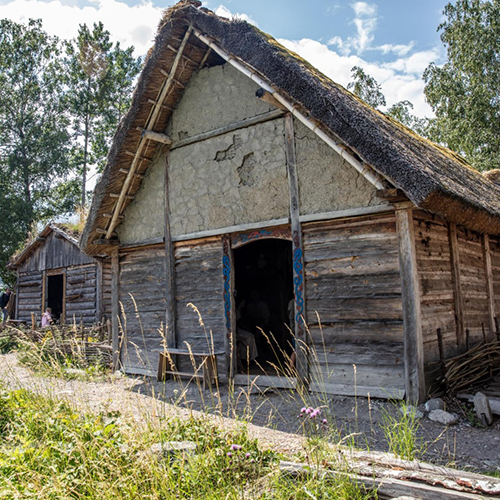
(301, 341)
(115, 306)
(413, 341)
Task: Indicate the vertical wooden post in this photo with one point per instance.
(170, 329)
(44, 291)
(17, 296)
(99, 307)
(229, 316)
(301, 341)
(457, 286)
(410, 290)
(63, 313)
(488, 272)
(115, 307)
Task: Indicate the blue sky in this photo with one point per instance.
(393, 40)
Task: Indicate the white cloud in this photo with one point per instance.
(223, 11)
(399, 80)
(398, 49)
(130, 25)
(365, 22)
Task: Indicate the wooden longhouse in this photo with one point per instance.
(53, 272)
(241, 167)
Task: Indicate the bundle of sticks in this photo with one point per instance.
(470, 369)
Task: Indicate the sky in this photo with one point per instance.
(392, 40)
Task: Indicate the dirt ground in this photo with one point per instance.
(274, 414)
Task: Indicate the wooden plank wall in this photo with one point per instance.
(29, 295)
(436, 290)
(106, 288)
(473, 280)
(142, 295)
(81, 294)
(495, 266)
(199, 280)
(56, 252)
(354, 287)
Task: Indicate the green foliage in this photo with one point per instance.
(100, 79)
(33, 130)
(465, 92)
(366, 87)
(401, 432)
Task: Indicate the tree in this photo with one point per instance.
(101, 76)
(366, 87)
(465, 92)
(33, 129)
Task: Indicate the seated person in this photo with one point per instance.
(47, 317)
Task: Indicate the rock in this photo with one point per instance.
(173, 449)
(410, 410)
(483, 409)
(434, 404)
(443, 417)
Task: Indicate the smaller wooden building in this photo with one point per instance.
(53, 272)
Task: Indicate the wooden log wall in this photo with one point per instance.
(199, 280)
(436, 290)
(474, 286)
(106, 288)
(142, 297)
(81, 294)
(29, 295)
(495, 267)
(354, 290)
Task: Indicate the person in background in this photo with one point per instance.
(47, 317)
(4, 300)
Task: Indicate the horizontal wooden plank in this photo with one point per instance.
(358, 390)
(329, 333)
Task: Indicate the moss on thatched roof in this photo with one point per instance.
(431, 176)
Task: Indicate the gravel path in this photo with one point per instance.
(273, 414)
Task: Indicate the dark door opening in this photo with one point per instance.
(55, 295)
(264, 289)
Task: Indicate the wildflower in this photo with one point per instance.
(229, 454)
(325, 421)
(303, 410)
(309, 410)
(235, 447)
(247, 455)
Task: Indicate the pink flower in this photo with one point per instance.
(229, 454)
(247, 455)
(235, 447)
(325, 421)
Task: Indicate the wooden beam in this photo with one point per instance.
(457, 286)
(125, 171)
(267, 97)
(104, 241)
(44, 290)
(99, 290)
(392, 195)
(171, 337)
(410, 291)
(205, 57)
(108, 216)
(156, 136)
(115, 307)
(231, 127)
(489, 286)
(186, 58)
(301, 340)
(162, 106)
(63, 312)
(150, 123)
(116, 195)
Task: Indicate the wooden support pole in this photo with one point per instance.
(457, 286)
(156, 136)
(170, 328)
(410, 291)
(99, 306)
(301, 340)
(490, 293)
(115, 307)
(44, 292)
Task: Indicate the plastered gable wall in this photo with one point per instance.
(145, 216)
(236, 178)
(326, 181)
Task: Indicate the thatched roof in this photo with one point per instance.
(432, 177)
(63, 231)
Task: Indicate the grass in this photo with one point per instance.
(49, 450)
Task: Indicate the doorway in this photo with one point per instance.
(263, 291)
(55, 295)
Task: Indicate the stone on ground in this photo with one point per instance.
(483, 409)
(443, 417)
(434, 404)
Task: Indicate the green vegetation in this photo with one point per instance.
(49, 450)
